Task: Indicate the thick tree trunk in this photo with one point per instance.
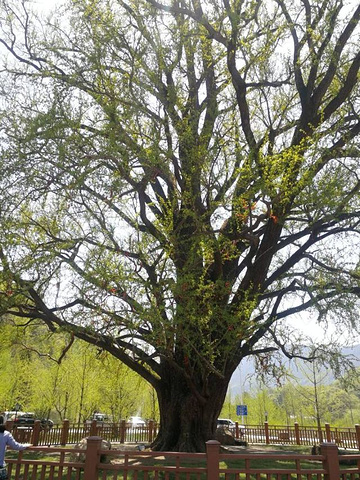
(187, 419)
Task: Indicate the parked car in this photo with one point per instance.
(7, 415)
(230, 425)
(226, 422)
(137, 421)
(102, 419)
(26, 419)
(17, 417)
(46, 423)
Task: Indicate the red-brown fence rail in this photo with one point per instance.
(67, 433)
(302, 435)
(212, 465)
(123, 432)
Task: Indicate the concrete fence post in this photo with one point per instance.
(331, 461)
(357, 430)
(36, 433)
(65, 432)
(93, 446)
(267, 436)
(212, 459)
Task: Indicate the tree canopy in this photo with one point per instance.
(177, 179)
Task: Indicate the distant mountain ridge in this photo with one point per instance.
(244, 377)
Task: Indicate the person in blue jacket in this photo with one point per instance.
(7, 440)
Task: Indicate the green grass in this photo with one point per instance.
(273, 464)
(29, 455)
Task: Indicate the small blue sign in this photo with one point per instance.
(241, 410)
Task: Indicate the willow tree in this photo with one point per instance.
(177, 179)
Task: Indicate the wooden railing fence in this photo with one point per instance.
(68, 434)
(212, 465)
(123, 432)
(303, 435)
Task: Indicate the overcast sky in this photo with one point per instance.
(46, 5)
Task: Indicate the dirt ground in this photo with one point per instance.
(267, 449)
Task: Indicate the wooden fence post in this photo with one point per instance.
(93, 445)
(93, 428)
(357, 431)
(151, 431)
(320, 433)
(9, 425)
(297, 433)
(36, 433)
(328, 432)
(331, 461)
(122, 431)
(236, 429)
(65, 432)
(267, 437)
(212, 459)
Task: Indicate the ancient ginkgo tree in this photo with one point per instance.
(177, 179)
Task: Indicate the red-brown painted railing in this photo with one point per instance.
(67, 434)
(302, 435)
(123, 432)
(212, 465)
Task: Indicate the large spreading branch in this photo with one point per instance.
(176, 132)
